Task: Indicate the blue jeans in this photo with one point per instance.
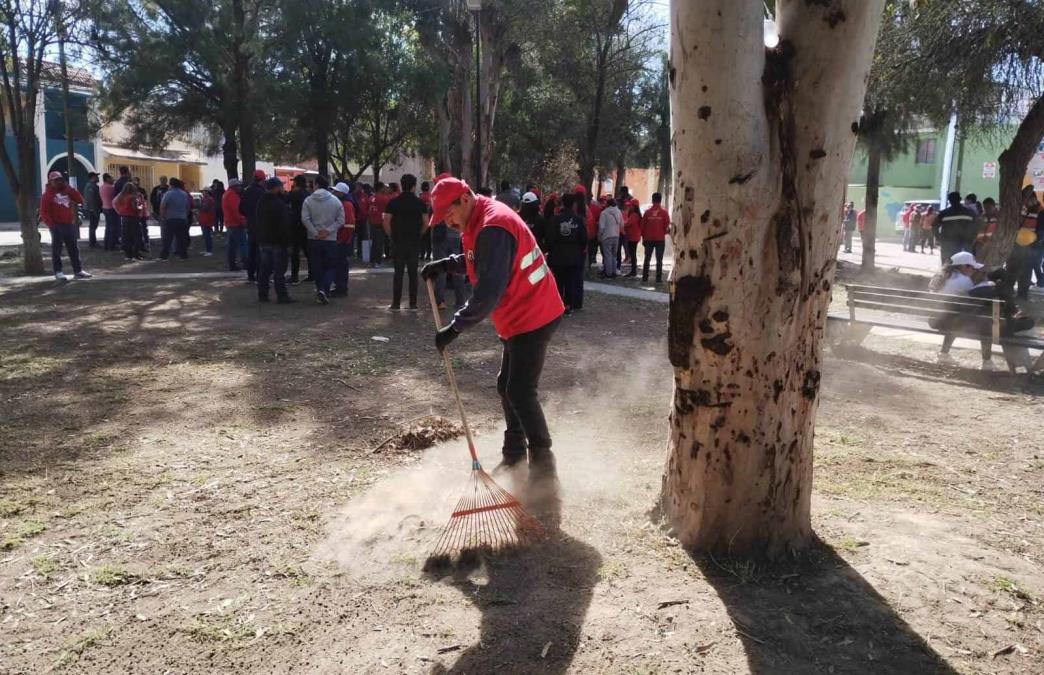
(340, 282)
(67, 235)
(237, 247)
(271, 261)
(208, 238)
(322, 262)
(112, 229)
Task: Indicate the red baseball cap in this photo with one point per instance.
(55, 175)
(259, 174)
(579, 188)
(445, 192)
(443, 175)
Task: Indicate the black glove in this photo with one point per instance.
(445, 336)
(435, 268)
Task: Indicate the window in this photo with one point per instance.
(926, 151)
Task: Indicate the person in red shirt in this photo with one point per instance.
(362, 217)
(633, 235)
(515, 288)
(345, 236)
(655, 224)
(375, 217)
(58, 213)
(590, 211)
(234, 224)
(207, 218)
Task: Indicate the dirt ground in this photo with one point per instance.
(189, 483)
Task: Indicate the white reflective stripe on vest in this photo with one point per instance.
(538, 274)
(529, 259)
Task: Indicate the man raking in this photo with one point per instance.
(515, 288)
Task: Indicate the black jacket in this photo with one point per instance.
(957, 224)
(248, 204)
(565, 240)
(273, 221)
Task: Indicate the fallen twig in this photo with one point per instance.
(671, 603)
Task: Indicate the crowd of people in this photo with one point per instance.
(270, 227)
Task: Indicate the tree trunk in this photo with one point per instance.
(1013, 164)
(467, 129)
(32, 253)
(230, 153)
(873, 191)
(762, 144)
(442, 161)
(248, 143)
(621, 176)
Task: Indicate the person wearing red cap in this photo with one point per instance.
(513, 285)
(58, 213)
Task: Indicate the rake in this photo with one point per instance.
(487, 518)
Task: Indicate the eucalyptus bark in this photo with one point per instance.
(762, 141)
(868, 237)
(1013, 164)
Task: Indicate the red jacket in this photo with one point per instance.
(56, 208)
(633, 228)
(230, 207)
(655, 224)
(207, 211)
(594, 210)
(377, 204)
(347, 233)
(531, 299)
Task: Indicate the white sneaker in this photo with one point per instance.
(988, 365)
(207, 254)
(946, 359)
(60, 276)
(84, 274)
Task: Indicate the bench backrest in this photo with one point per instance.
(924, 304)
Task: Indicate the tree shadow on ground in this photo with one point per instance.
(817, 615)
(534, 603)
(894, 365)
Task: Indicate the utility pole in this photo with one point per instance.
(56, 8)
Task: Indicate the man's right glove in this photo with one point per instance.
(433, 269)
(445, 336)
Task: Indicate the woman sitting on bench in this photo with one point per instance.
(964, 276)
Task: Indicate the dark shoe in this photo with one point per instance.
(250, 279)
(395, 308)
(262, 298)
(308, 279)
(413, 307)
(321, 298)
(235, 269)
(339, 294)
(645, 279)
(286, 300)
(293, 280)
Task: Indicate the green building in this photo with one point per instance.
(917, 173)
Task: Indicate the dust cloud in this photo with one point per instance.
(609, 427)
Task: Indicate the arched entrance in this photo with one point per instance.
(81, 166)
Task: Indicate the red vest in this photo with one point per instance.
(531, 299)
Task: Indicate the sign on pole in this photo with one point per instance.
(989, 169)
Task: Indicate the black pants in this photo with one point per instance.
(517, 384)
(378, 247)
(362, 233)
(251, 261)
(93, 219)
(592, 251)
(297, 249)
(650, 247)
(131, 236)
(570, 279)
(632, 255)
(174, 231)
(66, 235)
(271, 265)
(405, 261)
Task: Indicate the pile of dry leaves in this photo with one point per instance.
(422, 434)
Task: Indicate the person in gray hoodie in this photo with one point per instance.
(610, 222)
(322, 216)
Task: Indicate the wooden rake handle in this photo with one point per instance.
(452, 376)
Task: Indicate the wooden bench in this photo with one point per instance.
(910, 310)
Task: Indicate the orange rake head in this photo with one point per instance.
(487, 519)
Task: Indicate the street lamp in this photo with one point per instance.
(476, 7)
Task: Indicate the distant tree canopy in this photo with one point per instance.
(353, 83)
